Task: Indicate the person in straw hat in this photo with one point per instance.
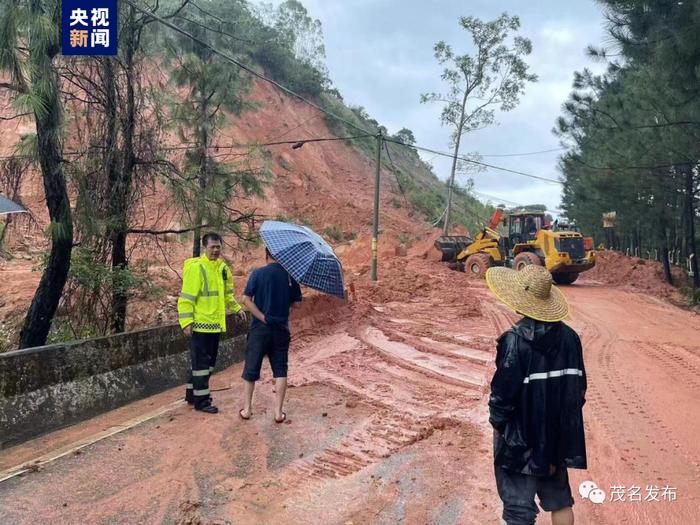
(536, 400)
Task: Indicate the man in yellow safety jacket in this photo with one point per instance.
(207, 292)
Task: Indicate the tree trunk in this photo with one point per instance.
(664, 251)
(48, 128)
(450, 185)
(121, 191)
(114, 175)
(690, 224)
(203, 170)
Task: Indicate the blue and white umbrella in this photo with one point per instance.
(7, 206)
(305, 255)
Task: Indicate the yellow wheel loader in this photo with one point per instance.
(525, 238)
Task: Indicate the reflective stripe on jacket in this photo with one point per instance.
(207, 292)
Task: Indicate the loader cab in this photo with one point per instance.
(523, 227)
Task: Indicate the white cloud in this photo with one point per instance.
(558, 35)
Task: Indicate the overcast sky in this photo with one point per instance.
(380, 56)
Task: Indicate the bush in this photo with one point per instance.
(333, 233)
(283, 67)
(5, 343)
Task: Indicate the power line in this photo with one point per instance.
(471, 161)
(244, 67)
(299, 143)
(506, 201)
(525, 154)
(492, 197)
(300, 125)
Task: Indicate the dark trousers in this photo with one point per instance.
(266, 340)
(204, 349)
(518, 491)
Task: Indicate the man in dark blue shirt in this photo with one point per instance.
(269, 295)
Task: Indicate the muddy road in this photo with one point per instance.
(387, 421)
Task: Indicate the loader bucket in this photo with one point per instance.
(451, 245)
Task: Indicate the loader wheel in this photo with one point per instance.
(565, 277)
(526, 259)
(477, 265)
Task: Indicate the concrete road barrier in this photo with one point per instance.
(45, 388)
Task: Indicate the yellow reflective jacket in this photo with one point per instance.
(207, 292)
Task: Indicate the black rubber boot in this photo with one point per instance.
(209, 409)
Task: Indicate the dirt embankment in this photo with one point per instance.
(328, 186)
(616, 269)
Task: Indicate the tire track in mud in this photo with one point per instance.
(603, 386)
(384, 434)
(386, 384)
(642, 423)
(433, 365)
(686, 367)
(684, 373)
(637, 432)
(415, 385)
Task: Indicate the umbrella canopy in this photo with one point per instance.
(305, 255)
(7, 206)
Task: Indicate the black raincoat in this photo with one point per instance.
(537, 395)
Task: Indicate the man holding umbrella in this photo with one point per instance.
(269, 295)
(294, 254)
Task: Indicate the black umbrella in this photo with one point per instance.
(7, 206)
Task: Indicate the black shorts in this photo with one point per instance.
(518, 490)
(266, 340)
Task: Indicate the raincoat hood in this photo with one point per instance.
(542, 335)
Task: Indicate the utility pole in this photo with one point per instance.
(375, 224)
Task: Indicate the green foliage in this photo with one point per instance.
(62, 331)
(86, 303)
(634, 132)
(405, 136)
(284, 40)
(493, 77)
(5, 342)
(333, 233)
(214, 87)
(91, 276)
(496, 75)
(429, 198)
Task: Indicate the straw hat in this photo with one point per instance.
(529, 292)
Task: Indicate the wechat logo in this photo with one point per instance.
(590, 491)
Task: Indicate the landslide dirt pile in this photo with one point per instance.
(328, 187)
(616, 269)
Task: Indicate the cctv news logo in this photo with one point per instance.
(89, 27)
(634, 493)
